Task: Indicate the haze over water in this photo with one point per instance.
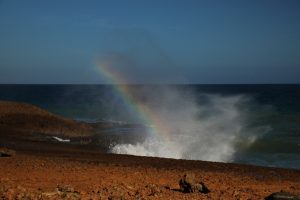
(256, 124)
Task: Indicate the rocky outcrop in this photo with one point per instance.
(25, 119)
(5, 152)
(188, 184)
(282, 196)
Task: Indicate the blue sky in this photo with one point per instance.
(151, 41)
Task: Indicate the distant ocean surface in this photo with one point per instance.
(254, 124)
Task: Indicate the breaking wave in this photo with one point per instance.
(200, 127)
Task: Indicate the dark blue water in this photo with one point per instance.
(273, 112)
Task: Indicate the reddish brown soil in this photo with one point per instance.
(101, 176)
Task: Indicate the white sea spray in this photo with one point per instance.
(203, 127)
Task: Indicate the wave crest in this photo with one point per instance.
(200, 127)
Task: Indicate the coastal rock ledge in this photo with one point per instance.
(5, 152)
(23, 120)
(282, 196)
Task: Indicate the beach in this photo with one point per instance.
(49, 169)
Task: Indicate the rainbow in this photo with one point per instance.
(148, 117)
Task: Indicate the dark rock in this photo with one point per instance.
(188, 184)
(282, 196)
(65, 188)
(5, 152)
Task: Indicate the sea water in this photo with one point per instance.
(254, 124)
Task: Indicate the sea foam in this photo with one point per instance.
(202, 127)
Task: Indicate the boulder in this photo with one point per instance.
(282, 196)
(62, 192)
(5, 152)
(188, 184)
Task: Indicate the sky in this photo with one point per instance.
(150, 41)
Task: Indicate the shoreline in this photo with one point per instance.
(43, 169)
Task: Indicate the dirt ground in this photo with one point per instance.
(77, 174)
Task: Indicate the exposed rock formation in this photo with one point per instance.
(188, 184)
(282, 196)
(4, 152)
(22, 119)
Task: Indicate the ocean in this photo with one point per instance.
(252, 124)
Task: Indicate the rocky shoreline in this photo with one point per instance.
(35, 168)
